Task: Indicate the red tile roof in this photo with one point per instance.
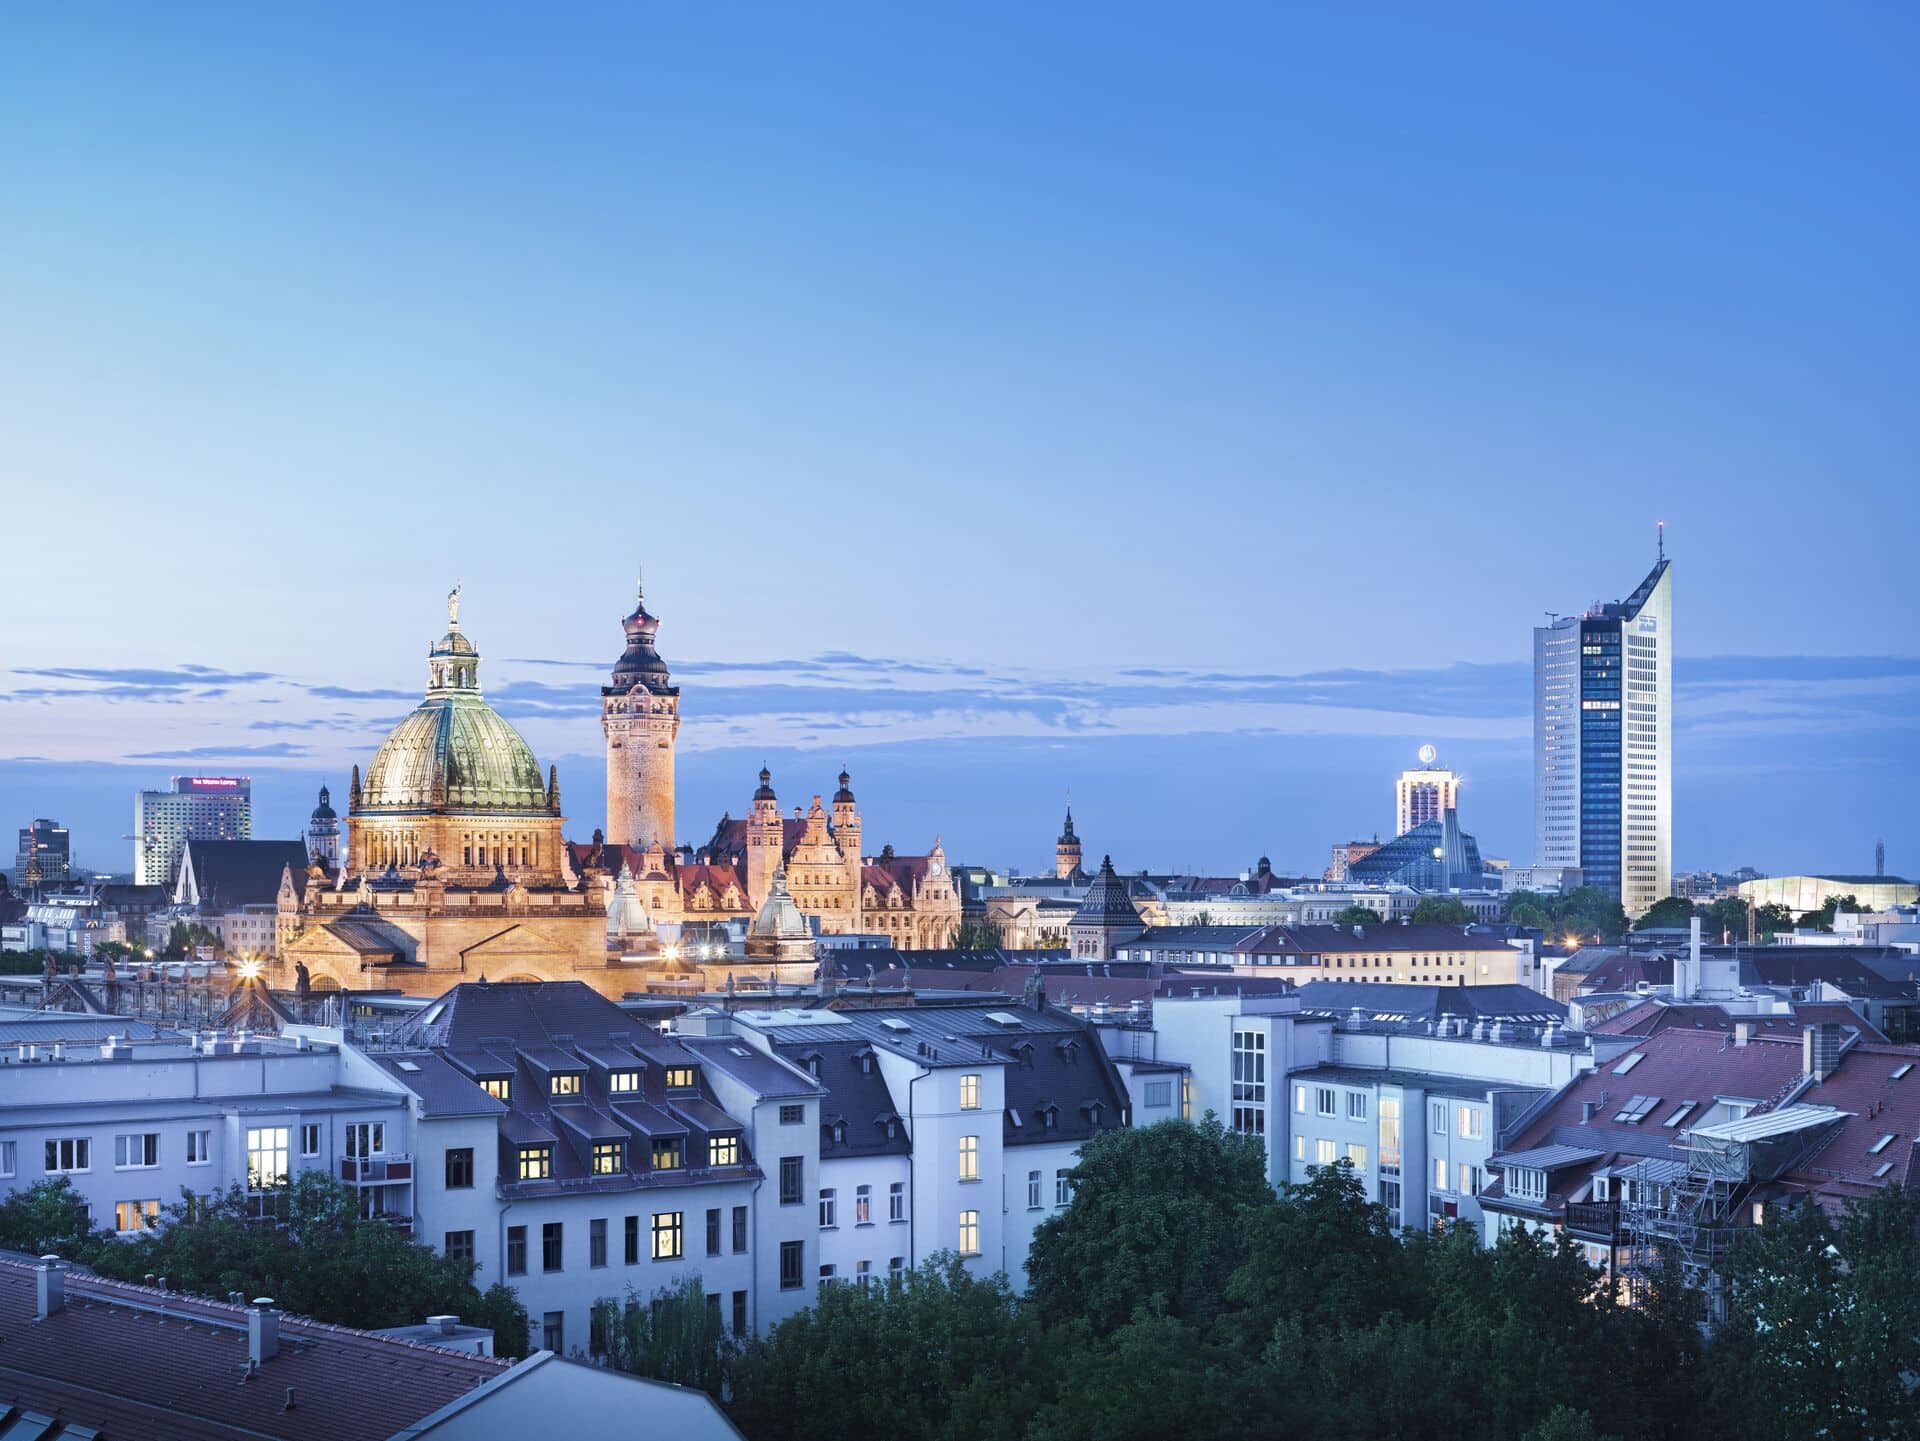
(1645, 1018)
(132, 1361)
(1878, 1106)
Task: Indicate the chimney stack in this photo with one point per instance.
(1742, 1032)
(263, 1331)
(50, 1288)
(1820, 1050)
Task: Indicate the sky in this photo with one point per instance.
(1188, 409)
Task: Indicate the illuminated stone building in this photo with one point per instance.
(640, 717)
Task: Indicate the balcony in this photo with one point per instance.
(377, 1170)
(1594, 1220)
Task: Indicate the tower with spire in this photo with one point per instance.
(640, 716)
(323, 832)
(1066, 852)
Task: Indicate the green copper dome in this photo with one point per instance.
(454, 752)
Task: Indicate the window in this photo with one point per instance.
(1680, 1113)
(739, 1229)
(460, 1169)
(516, 1250)
(1186, 1098)
(1326, 1101)
(622, 1083)
(563, 1085)
(827, 1222)
(826, 1275)
(863, 1206)
(1634, 1112)
(552, 1247)
(897, 1201)
(792, 1260)
(1325, 1152)
(1356, 1105)
(536, 1163)
(137, 1152)
(739, 1313)
(669, 1152)
(897, 1267)
(1250, 1083)
(609, 1157)
(199, 1149)
(632, 1240)
(8, 1153)
(969, 1158)
(1299, 1147)
(1357, 1155)
(793, 1115)
(1527, 1183)
(1439, 1115)
(790, 1167)
(310, 1140)
(1469, 1179)
(1390, 1197)
(597, 1241)
(1033, 1190)
(1440, 1173)
(713, 1231)
(863, 1272)
(723, 1150)
(266, 1158)
(1473, 1123)
(1389, 1135)
(501, 1088)
(970, 1092)
(553, 1332)
(679, 1078)
(1159, 1095)
(667, 1233)
(135, 1215)
(1062, 1188)
(1300, 1099)
(969, 1233)
(458, 1246)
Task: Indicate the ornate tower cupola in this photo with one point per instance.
(323, 832)
(640, 716)
(766, 841)
(1066, 852)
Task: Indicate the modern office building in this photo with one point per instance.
(1603, 742)
(44, 857)
(1425, 794)
(200, 808)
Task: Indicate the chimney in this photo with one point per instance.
(49, 1287)
(1820, 1050)
(1742, 1032)
(445, 1325)
(263, 1331)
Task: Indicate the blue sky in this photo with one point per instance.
(1020, 351)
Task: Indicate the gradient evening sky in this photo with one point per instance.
(1189, 406)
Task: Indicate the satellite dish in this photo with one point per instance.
(1428, 755)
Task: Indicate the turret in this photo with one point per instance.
(765, 840)
(640, 717)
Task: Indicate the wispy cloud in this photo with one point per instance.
(279, 750)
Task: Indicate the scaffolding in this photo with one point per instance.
(1684, 1207)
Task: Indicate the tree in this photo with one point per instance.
(1442, 910)
(672, 1336)
(1356, 916)
(1590, 914)
(980, 935)
(1728, 917)
(49, 1218)
(1822, 919)
(1668, 913)
(938, 1356)
(314, 1254)
(1153, 1227)
(1771, 919)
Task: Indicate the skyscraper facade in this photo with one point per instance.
(1425, 794)
(44, 857)
(1603, 743)
(200, 808)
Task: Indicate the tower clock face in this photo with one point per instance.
(1428, 755)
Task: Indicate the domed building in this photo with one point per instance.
(454, 867)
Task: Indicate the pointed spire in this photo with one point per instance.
(1661, 527)
(553, 788)
(353, 796)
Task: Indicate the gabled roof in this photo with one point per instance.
(230, 874)
(1508, 1002)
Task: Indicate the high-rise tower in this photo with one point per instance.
(1603, 742)
(1425, 794)
(640, 714)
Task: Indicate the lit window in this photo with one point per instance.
(267, 1158)
(135, 1215)
(536, 1163)
(669, 1153)
(667, 1235)
(1472, 1123)
(863, 1206)
(969, 1233)
(970, 1092)
(1357, 1155)
(567, 1085)
(1299, 1147)
(969, 1158)
(679, 1078)
(1186, 1098)
(723, 1150)
(609, 1157)
(1440, 1173)
(623, 1082)
(1469, 1179)
(1300, 1099)
(501, 1089)
(1324, 1152)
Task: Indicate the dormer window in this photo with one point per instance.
(536, 1163)
(680, 1078)
(500, 1088)
(723, 1150)
(1527, 1183)
(623, 1083)
(609, 1158)
(564, 1085)
(669, 1153)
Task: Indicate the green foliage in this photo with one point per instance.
(1822, 919)
(980, 935)
(1771, 920)
(938, 1356)
(314, 1254)
(671, 1336)
(1155, 1225)
(1584, 915)
(34, 962)
(1726, 919)
(1356, 916)
(1668, 913)
(49, 1218)
(1442, 910)
(1325, 1257)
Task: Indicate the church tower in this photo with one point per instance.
(640, 714)
(766, 842)
(1066, 853)
(323, 832)
(846, 834)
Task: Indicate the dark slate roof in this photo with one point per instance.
(443, 1089)
(1511, 1003)
(1106, 902)
(1655, 1014)
(857, 1096)
(231, 874)
(133, 1361)
(751, 1067)
(1878, 972)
